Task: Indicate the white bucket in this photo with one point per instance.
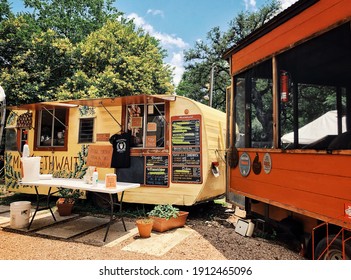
(20, 214)
(31, 169)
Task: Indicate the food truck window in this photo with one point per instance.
(317, 77)
(86, 130)
(11, 139)
(254, 107)
(147, 125)
(52, 128)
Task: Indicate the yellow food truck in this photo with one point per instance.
(171, 145)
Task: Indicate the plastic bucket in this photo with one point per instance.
(31, 169)
(20, 214)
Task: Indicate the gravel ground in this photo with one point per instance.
(213, 238)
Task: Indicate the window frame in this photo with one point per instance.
(145, 116)
(79, 130)
(37, 133)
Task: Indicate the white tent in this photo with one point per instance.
(326, 124)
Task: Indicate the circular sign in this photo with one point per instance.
(267, 163)
(244, 164)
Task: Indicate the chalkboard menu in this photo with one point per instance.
(186, 132)
(156, 170)
(186, 174)
(186, 149)
(157, 160)
(186, 159)
(157, 176)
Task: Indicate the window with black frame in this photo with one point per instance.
(254, 107)
(52, 127)
(147, 125)
(86, 130)
(316, 76)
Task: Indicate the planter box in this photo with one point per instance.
(64, 209)
(162, 224)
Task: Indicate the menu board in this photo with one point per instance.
(186, 149)
(186, 174)
(186, 159)
(156, 160)
(157, 176)
(186, 132)
(156, 170)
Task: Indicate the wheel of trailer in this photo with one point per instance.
(334, 251)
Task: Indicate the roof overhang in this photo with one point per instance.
(276, 21)
(97, 102)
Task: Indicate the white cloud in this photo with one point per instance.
(170, 42)
(287, 3)
(250, 4)
(177, 61)
(166, 40)
(155, 12)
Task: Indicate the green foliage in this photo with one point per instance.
(117, 60)
(69, 195)
(65, 49)
(5, 10)
(166, 211)
(80, 167)
(11, 176)
(72, 19)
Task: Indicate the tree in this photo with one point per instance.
(42, 58)
(5, 10)
(206, 56)
(73, 19)
(117, 60)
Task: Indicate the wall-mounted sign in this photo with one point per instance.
(156, 170)
(151, 141)
(25, 120)
(99, 156)
(267, 163)
(137, 122)
(244, 164)
(101, 137)
(186, 149)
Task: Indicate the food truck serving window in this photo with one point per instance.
(147, 125)
(254, 107)
(52, 125)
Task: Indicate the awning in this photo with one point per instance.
(97, 102)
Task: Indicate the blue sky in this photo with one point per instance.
(178, 24)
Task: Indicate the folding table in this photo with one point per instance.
(81, 185)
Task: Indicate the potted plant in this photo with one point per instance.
(167, 217)
(66, 201)
(144, 226)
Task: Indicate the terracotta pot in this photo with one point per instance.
(162, 224)
(64, 209)
(144, 227)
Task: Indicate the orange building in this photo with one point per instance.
(289, 115)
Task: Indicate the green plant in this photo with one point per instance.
(69, 195)
(166, 211)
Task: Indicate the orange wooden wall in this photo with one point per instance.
(315, 19)
(316, 185)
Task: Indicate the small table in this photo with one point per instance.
(81, 185)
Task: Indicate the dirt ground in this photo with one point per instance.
(211, 238)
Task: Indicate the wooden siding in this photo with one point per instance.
(316, 19)
(315, 185)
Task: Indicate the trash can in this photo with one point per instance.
(20, 212)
